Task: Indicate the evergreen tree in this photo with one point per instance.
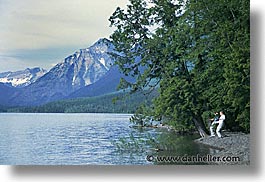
(198, 53)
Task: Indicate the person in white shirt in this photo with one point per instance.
(220, 123)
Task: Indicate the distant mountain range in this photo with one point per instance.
(21, 78)
(86, 73)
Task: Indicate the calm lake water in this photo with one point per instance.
(81, 139)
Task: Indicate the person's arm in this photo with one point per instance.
(222, 118)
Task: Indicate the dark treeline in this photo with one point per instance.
(112, 103)
(197, 51)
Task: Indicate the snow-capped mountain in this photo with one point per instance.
(86, 66)
(80, 69)
(22, 78)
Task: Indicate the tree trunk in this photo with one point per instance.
(200, 126)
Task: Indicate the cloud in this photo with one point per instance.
(29, 27)
(40, 24)
(44, 58)
(11, 64)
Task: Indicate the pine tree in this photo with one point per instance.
(198, 54)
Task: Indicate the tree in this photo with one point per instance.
(223, 28)
(195, 54)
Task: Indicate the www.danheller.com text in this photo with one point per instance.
(192, 158)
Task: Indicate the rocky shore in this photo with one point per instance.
(233, 147)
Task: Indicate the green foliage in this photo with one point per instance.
(198, 53)
(142, 116)
(131, 144)
(124, 103)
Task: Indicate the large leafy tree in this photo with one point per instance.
(223, 29)
(198, 52)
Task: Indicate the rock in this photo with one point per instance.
(234, 146)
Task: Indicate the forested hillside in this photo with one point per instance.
(112, 103)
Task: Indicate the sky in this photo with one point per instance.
(42, 33)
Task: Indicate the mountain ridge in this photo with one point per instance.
(80, 69)
(22, 78)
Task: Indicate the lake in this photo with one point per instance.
(84, 139)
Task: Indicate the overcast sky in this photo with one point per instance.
(42, 33)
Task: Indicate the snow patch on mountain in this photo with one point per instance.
(102, 61)
(16, 82)
(22, 78)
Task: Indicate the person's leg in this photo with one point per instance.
(218, 130)
(211, 130)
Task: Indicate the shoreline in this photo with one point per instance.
(234, 145)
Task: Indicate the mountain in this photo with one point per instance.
(107, 84)
(21, 78)
(86, 66)
(78, 70)
(5, 93)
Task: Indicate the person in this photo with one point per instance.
(220, 123)
(216, 118)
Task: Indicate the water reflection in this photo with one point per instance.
(160, 143)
